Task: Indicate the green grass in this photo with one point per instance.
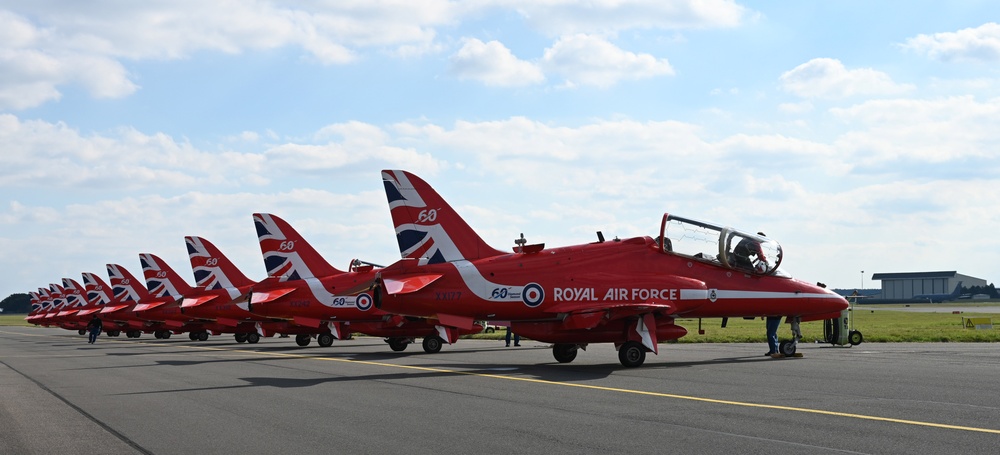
(877, 325)
(13, 320)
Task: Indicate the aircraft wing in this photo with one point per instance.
(406, 285)
(87, 311)
(193, 302)
(268, 296)
(113, 308)
(151, 305)
(587, 315)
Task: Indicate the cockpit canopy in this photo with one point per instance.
(728, 247)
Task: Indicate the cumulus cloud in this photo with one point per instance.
(557, 17)
(890, 133)
(592, 60)
(86, 44)
(828, 78)
(970, 44)
(493, 64)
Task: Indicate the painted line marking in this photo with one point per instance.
(583, 386)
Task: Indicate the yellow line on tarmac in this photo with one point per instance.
(619, 390)
(595, 387)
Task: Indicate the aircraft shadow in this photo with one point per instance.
(292, 383)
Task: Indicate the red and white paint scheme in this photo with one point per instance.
(304, 288)
(627, 292)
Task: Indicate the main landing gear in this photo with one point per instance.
(787, 348)
(632, 354)
(303, 339)
(432, 344)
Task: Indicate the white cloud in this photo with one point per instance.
(970, 44)
(84, 43)
(591, 60)
(893, 132)
(828, 78)
(560, 17)
(493, 64)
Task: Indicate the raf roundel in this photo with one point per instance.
(533, 295)
(364, 302)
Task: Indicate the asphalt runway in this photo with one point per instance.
(59, 394)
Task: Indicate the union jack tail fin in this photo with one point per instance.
(97, 291)
(73, 293)
(212, 269)
(161, 280)
(124, 286)
(427, 227)
(286, 254)
(56, 292)
(45, 298)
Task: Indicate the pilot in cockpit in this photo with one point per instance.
(748, 254)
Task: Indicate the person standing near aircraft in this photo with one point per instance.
(94, 326)
(773, 322)
(517, 338)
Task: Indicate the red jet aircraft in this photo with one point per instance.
(99, 294)
(627, 292)
(304, 287)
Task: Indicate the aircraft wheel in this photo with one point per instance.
(432, 344)
(302, 339)
(137, 334)
(166, 334)
(325, 340)
(490, 330)
(564, 352)
(193, 336)
(787, 348)
(855, 338)
(202, 336)
(240, 337)
(158, 334)
(632, 354)
(81, 332)
(398, 344)
(253, 338)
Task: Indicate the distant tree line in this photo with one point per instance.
(989, 290)
(16, 303)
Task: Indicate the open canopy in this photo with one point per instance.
(730, 248)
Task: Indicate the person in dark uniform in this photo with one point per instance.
(94, 327)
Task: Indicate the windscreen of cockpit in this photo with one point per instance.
(749, 253)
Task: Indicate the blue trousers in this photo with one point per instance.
(94, 333)
(517, 338)
(773, 322)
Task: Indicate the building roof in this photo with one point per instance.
(913, 275)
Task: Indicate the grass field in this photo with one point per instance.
(878, 323)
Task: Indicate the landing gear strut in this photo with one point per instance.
(788, 347)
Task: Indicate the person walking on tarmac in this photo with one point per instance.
(94, 327)
(517, 338)
(773, 322)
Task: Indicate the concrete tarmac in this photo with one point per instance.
(59, 394)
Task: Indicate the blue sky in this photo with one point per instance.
(859, 135)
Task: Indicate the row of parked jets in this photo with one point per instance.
(448, 281)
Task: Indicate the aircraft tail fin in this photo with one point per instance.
(161, 280)
(124, 286)
(73, 293)
(958, 290)
(212, 269)
(96, 290)
(426, 226)
(286, 254)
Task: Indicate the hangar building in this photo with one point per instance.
(908, 284)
